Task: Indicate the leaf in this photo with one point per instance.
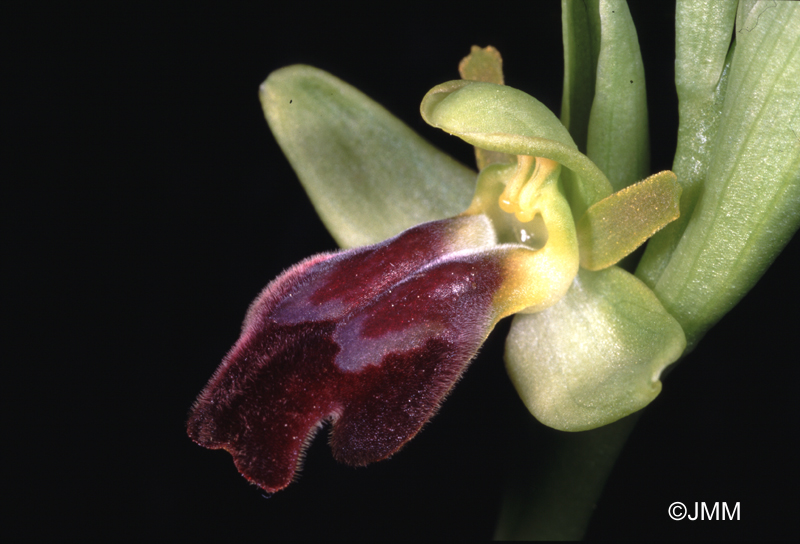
(595, 356)
(702, 67)
(368, 175)
(750, 203)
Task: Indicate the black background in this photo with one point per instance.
(146, 203)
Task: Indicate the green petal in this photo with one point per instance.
(750, 204)
(368, 175)
(618, 137)
(614, 227)
(500, 118)
(572, 384)
(702, 67)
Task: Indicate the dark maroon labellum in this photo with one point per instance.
(371, 339)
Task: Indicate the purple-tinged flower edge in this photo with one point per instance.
(371, 339)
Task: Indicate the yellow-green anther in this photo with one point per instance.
(482, 64)
(528, 201)
(485, 64)
(523, 190)
(509, 200)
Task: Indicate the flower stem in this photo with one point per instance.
(556, 479)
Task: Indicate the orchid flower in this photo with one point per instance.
(374, 336)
